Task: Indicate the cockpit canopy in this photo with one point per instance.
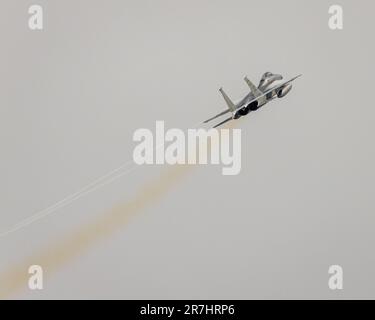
(267, 79)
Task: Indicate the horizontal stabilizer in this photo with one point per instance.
(218, 115)
(222, 122)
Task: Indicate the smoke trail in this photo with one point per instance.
(74, 245)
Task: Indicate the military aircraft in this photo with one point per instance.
(256, 98)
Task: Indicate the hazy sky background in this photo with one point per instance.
(73, 94)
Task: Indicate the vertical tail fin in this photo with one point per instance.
(229, 102)
(254, 90)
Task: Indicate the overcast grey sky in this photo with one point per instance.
(73, 94)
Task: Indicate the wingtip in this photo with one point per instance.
(296, 77)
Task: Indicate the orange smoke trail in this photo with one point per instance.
(74, 245)
(71, 247)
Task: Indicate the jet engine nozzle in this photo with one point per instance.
(284, 90)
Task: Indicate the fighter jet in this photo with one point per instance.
(256, 98)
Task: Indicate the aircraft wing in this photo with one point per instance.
(218, 115)
(255, 99)
(222, 122)
(272, 89)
